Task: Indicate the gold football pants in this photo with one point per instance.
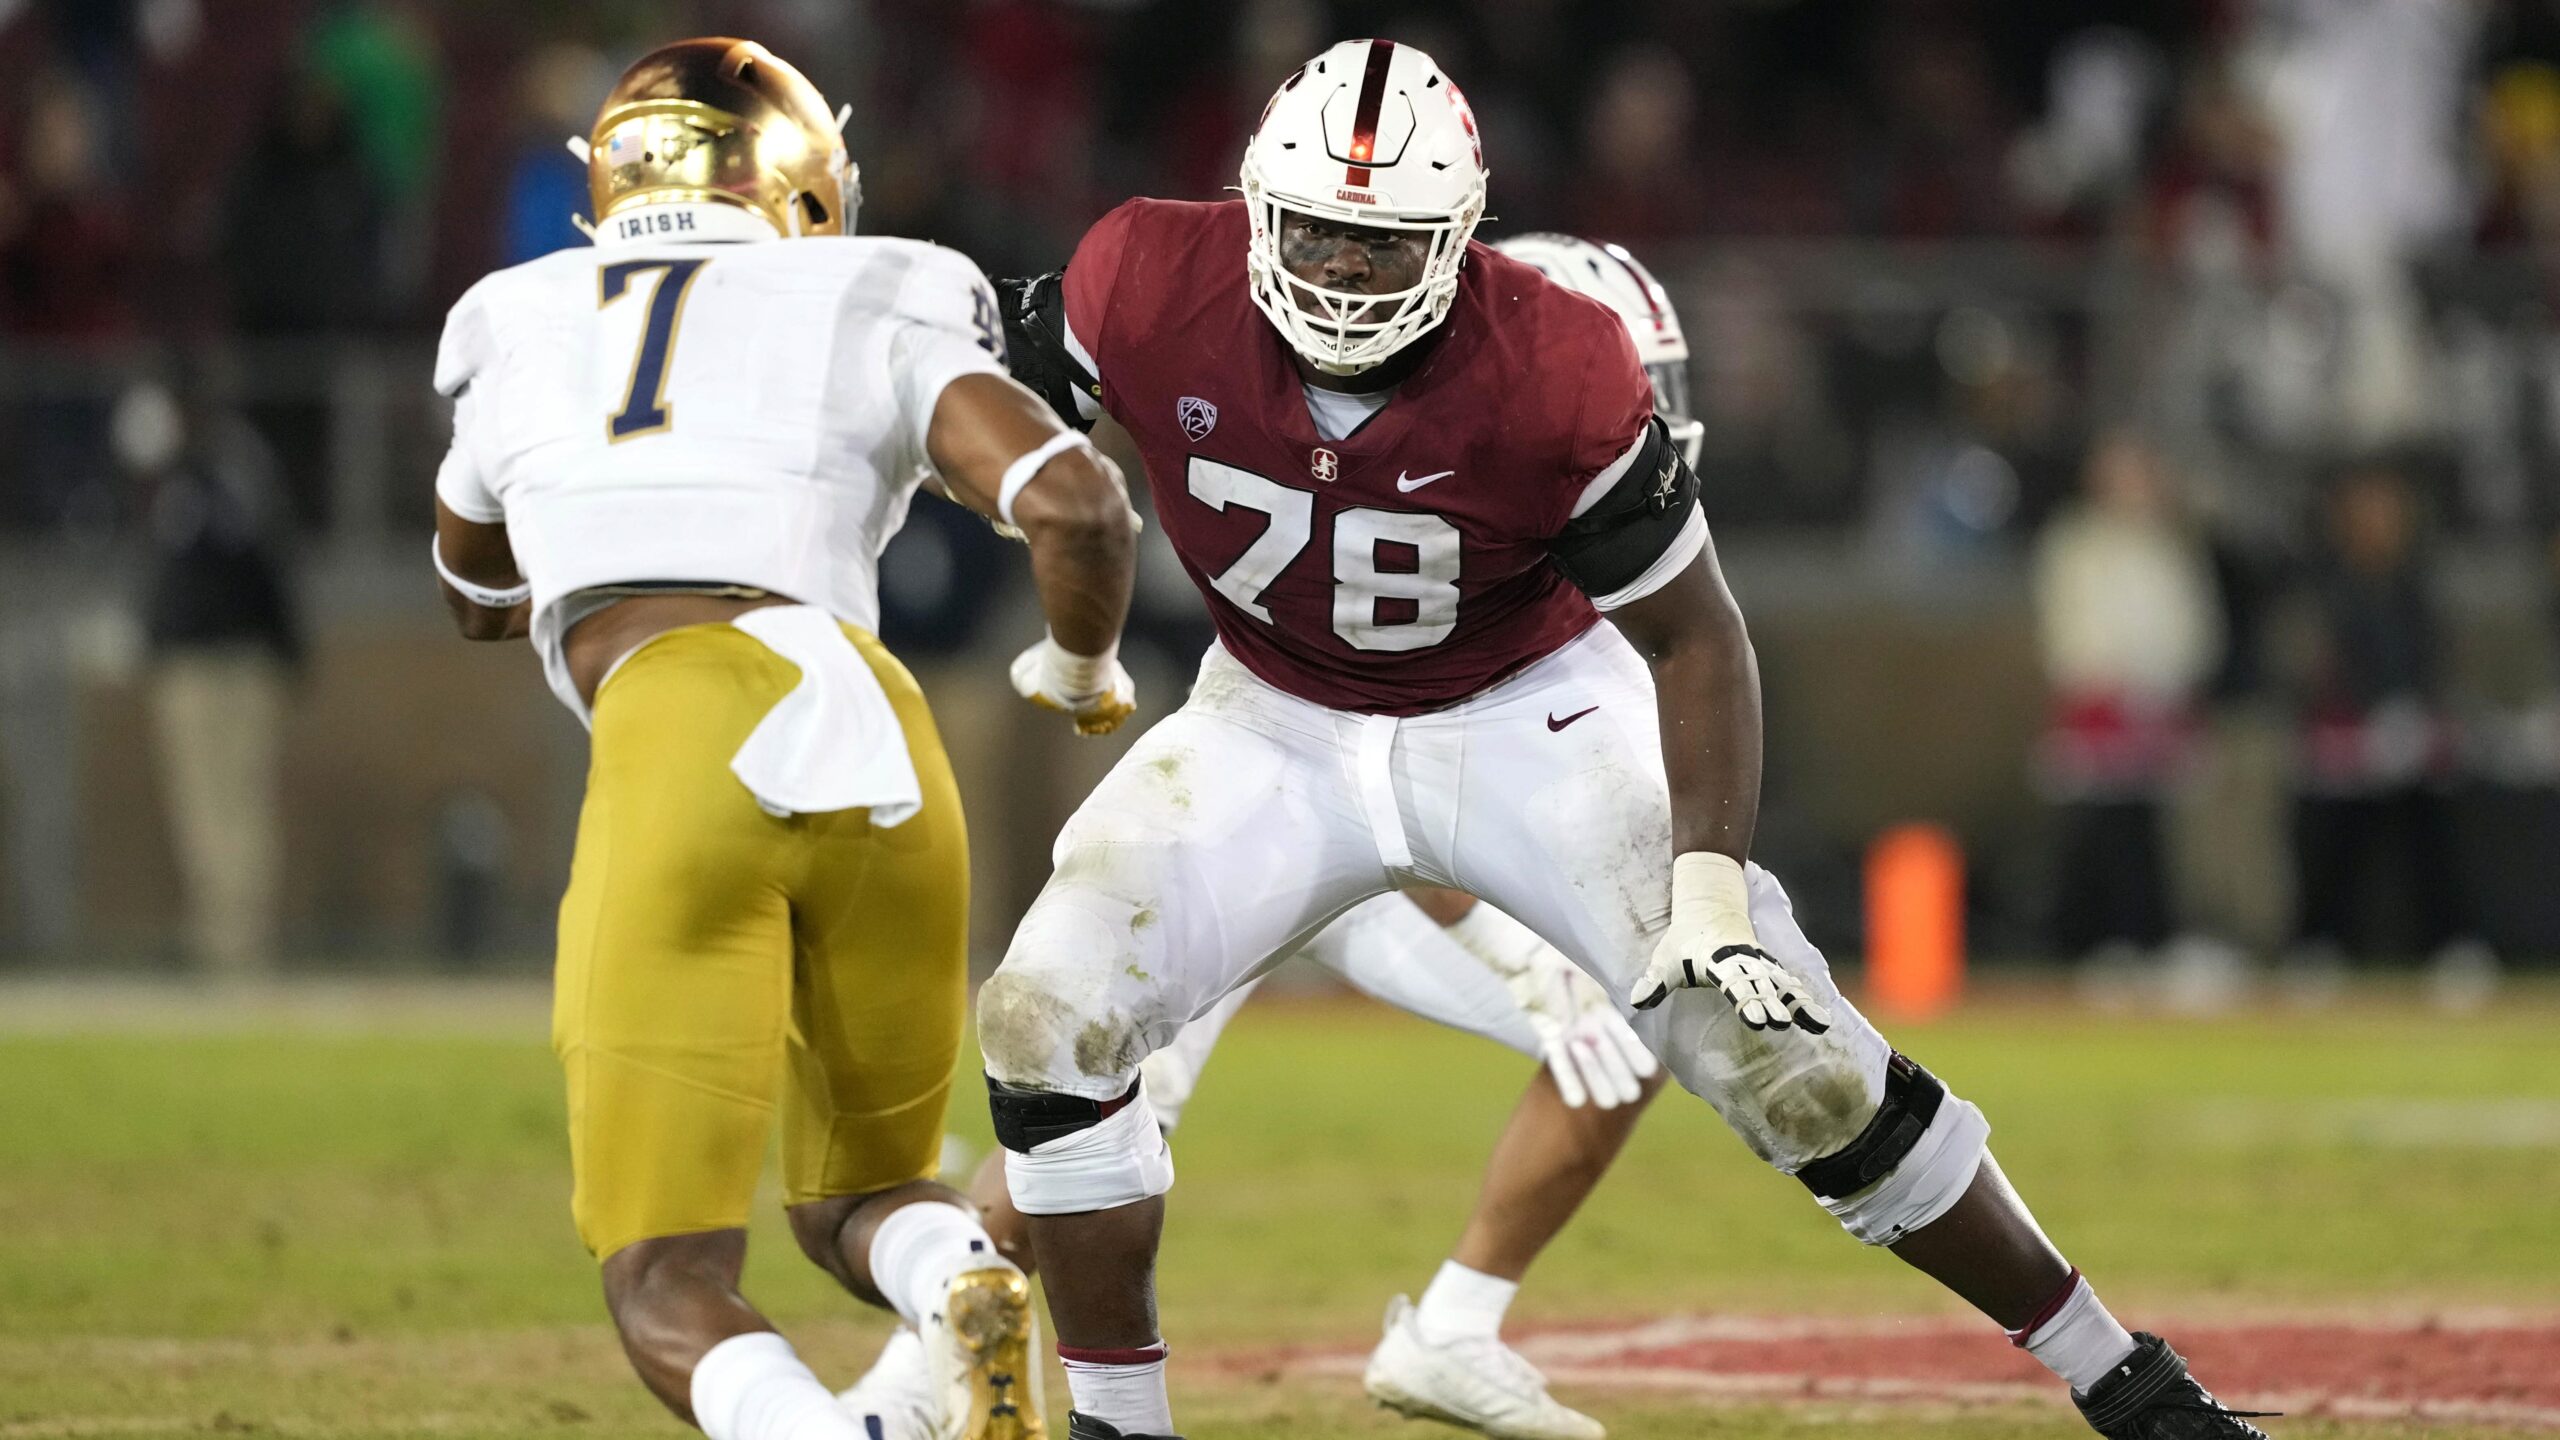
(717, 963)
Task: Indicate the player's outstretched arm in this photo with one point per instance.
(1002, 452)
(476, 571)
(1707, 687)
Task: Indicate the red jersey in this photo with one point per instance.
(1403, 567)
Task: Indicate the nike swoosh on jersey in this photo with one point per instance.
(1555, 724)
(1416, 483)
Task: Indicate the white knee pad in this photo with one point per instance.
(1934, 1169)
(1120, 1161)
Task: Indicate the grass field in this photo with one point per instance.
(349, 1220)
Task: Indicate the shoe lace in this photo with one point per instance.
(2207, 1405)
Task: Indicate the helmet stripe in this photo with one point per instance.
(1652, 301)
(1364, 121)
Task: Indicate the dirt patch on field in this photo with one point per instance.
(2496, 1369)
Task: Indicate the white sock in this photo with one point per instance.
(1121, 1388)
(1463, 1304)
(917, 1250)
(753, 1387)
(2076, 1338)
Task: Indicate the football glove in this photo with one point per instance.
(1095, 691)
(1596, 1059)
(1711, 945)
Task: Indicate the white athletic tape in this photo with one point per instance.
(1926, 1184)
(478, 594)
(1119, 1162)
(1019, 473)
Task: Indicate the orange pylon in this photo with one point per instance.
(1915, 921)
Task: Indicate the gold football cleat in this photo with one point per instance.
(988, 1312)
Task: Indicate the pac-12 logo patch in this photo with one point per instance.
(1198, 416)
(1324, 465)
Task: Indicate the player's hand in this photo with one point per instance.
(1711, 945)
(1095, 691)
(1595, 1058)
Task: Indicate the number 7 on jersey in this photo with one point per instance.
(645, 410)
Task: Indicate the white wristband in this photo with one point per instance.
(1710, 892)
(480, 595)
(1071, 676)
(1019, 473)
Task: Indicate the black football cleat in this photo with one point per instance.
(1082, 1427)
(2150, 1396)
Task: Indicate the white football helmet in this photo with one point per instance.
(1368, 133)
(1608, 274)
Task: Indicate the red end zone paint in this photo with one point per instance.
(2495, 1369)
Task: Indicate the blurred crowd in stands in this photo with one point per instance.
(2229, 315)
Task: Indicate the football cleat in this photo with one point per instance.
(1085, 1427)
(895, 1399)
(2150, 1396)
(1479, 1384)
(978, 1356)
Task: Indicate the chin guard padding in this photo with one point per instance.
(1026, 1119)
(1911, 1099)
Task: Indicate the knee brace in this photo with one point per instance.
(1066, 1154)
(1913, 1161)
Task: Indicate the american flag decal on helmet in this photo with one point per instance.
(1364, 120)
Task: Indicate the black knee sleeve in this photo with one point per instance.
(1911, 1098)
(1026, 1118)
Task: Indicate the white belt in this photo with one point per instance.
(1374, 763)
(833, 743)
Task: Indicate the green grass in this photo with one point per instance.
(248, 1224)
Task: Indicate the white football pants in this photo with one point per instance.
(1244, 823)
(1388, 950)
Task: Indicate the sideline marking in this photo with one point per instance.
(2439, 1389)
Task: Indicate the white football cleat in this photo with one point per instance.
(1478, 1383)
(895, 1398)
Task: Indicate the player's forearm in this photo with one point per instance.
(1707, 690)
(1084, 555)
(476, 573)
(481, 622)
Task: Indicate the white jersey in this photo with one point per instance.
(694, 401)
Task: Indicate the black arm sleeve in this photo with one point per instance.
(1608, 547)
(1035, 340)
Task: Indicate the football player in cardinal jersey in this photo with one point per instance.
(1440, 955)
(1410, 475)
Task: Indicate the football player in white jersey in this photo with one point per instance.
(676, 458)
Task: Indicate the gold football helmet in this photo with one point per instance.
(723, 120)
